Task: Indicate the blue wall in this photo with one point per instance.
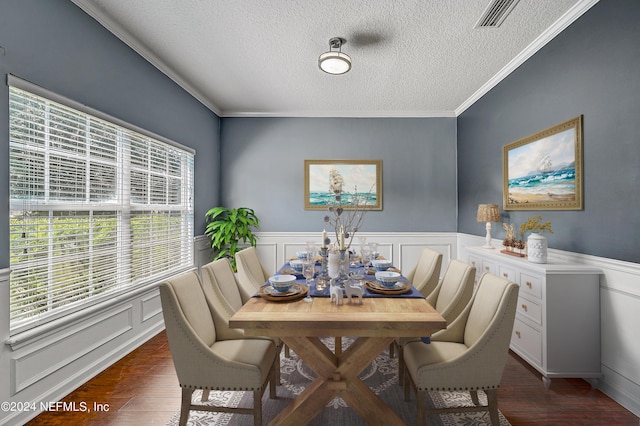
(592, 68)
(263, 168)
(54, 44)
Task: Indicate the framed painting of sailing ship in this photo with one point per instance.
(544, 171)
(359, 183)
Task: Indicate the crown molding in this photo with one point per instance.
(129, 40)
(556, 28)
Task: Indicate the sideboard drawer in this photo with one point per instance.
(531, 285)
(528, 340)
(507, 273)
(529, 309)
(489, 267)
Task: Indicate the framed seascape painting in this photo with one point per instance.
(357, 180)
(544, 171)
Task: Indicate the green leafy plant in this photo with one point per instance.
(227, 228)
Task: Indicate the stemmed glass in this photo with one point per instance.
(308, 271)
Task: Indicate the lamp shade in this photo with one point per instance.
(334, 61)
(488, 213)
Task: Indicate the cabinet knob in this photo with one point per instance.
(486, 268)
(528, 284)
(517, 333)
(524, 307)
(504, 274)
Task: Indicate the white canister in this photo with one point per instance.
(537, 248)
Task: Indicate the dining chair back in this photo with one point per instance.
(251, 273)
(202, 360)
(426, 274)
(449, 298)
(469, 354)
(454, 291)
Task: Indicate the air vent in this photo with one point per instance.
(495, 13)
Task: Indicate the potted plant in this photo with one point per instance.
(227, 228)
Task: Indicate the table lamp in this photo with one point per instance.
(488, 213)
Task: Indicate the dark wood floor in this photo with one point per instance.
(142, 389)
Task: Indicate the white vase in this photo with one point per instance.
(537, 248)
(333, 267)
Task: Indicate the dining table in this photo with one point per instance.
(374, 324)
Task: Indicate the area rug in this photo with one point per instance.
(380, 376)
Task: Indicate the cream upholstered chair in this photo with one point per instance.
(251, 273)
(469, 354)
(220, 284)
(202, 359)
(424, 277)
(426, 274)
(449, 298)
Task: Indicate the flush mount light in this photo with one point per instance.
(334, 61)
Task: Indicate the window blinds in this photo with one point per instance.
(96, 209)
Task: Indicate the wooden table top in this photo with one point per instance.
(376, 317)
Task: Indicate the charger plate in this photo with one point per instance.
(297, 291)
(401, 287)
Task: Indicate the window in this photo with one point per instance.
(97, 208)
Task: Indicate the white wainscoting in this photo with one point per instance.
(46, 367)
(403, 249)
(619, 320)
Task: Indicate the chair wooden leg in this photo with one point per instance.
(400, 365)
(474, 397)
(257, 408)
(338, 345)
(287, 351)
(492, 402)
(391, 349)
(407, 384)
(421, 397)
(277, 367)
(274, 377)
(205, 395)
(185, 406)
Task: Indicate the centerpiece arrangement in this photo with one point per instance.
(345, 214)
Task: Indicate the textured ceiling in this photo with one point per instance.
(411, 58)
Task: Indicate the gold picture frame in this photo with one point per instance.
(362, 178)
(544, 171)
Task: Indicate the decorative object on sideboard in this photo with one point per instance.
(536, 242)
(488, 213)
(513, 246)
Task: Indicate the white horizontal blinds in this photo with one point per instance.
(96, 208)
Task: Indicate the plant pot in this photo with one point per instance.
(537, 248)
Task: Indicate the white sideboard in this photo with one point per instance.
(557, 325)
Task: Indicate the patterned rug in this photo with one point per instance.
(380, 375)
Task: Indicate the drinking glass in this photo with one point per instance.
(308, 271)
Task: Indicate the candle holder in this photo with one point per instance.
(323, 280)
(343, 274)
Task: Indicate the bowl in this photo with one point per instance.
(381, 264)
(302, 254)
(296, 265)
(282, 283)
(387, 278)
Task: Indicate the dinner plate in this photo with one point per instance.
(298, 291)
(400, 287)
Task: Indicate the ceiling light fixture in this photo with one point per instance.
(334, 61)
